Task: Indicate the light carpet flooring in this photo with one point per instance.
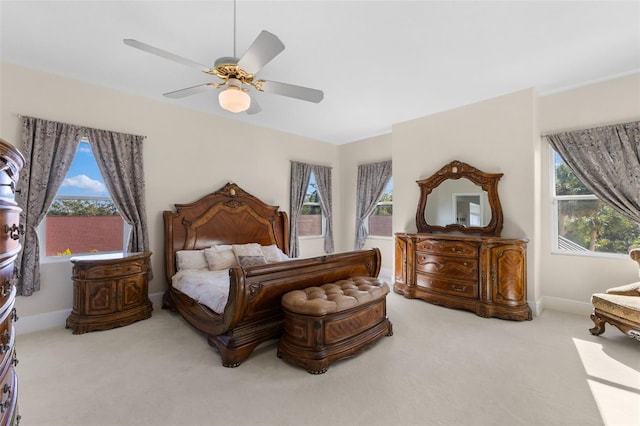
(441, 367)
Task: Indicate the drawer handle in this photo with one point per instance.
(458, 287)
(5, 348)
(14, 231)
(6, 288)
(7, 402)
(15, 360)
(14, 314)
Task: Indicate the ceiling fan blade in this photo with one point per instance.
(176, 94)
(254, 108)
(167, 55)
(298, 92)
(264, 48)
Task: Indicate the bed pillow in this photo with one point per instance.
(246, 261)
(220, 257)
(273, 253)
(250, 249)
(191, 259)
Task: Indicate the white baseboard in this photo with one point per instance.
(386, 274)
(40, 322)
(30, 324)
(566, 305)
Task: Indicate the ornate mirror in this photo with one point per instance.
(460, 198)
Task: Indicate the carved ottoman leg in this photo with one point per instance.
(390, 329)
(599, 322)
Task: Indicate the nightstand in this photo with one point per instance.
(109, 291)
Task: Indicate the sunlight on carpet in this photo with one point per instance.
(614, 385)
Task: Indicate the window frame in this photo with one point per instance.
(381, 203)
(42, 227)
(323, 226)
(555, 205)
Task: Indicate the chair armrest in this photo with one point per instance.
(626, 290)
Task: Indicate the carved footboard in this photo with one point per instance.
(253, 313)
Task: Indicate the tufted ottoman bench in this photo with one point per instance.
(334, 321)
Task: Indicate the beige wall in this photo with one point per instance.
(187, 154)
(568, 281)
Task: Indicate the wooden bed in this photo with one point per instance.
(253, 313)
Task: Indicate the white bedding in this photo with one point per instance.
(211, 288)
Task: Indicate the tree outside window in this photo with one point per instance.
(584, 223)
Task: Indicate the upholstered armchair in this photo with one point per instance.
(619, 306)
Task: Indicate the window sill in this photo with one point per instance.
(66, 258)
(590, 254)
(380, 237)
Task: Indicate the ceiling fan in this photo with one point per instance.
(238, 74)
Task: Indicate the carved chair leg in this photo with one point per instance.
(599, 325)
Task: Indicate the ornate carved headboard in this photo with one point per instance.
(228, 216)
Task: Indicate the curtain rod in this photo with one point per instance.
(581, 129)
(86, 127)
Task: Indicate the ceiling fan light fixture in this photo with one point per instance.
(234, 99)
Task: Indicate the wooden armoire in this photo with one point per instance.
(11, 162)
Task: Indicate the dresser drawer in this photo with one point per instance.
(8, 397)
(7, 318)
(7, 186)
(452, 248)
(449, 286)
(462, 268)
(10, 230)
(6, 279)
(8, 357)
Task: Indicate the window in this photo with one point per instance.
(310, 219)
(380, 220)
(584, 224)
(82, 218)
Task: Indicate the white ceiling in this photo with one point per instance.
(378, 62)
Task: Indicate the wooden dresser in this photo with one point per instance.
(486, 275)
(109, 291)
(11, 162)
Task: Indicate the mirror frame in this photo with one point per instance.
(456, 170)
